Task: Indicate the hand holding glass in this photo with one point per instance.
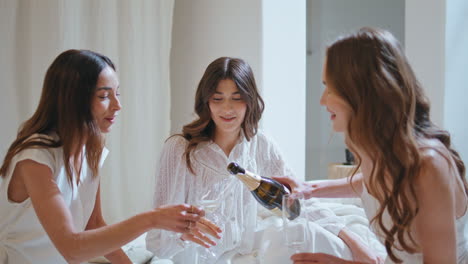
(212, 223)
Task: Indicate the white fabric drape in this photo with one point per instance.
(136, 35)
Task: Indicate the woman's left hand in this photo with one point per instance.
(361, 252)
(318, 258)
(367, 256)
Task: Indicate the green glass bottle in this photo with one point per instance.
(266, 191)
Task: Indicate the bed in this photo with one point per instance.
(348, 209)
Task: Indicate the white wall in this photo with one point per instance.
(425, 48)
(284, 78)
(456, 74)
(328, 19)
(204, 30)
(435, 36)
(436, 44)
(267, 34)
(270, 36)
(136, 35)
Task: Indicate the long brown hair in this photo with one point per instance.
(202, 129)
(389, 121)
(65, 109)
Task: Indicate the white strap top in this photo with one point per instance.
(22, 237)
(371, 206)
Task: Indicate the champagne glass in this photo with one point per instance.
(209, 255)
(212, 203)
(296, 229)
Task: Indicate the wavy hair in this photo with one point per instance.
(65, 109)
(369, 70)
(202, 128)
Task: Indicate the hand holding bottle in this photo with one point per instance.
(268, 192)
(295, 185)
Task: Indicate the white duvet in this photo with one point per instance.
(269, 239)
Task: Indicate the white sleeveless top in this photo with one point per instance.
(22, 237)
(371, 206)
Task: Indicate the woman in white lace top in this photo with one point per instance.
(193, 165)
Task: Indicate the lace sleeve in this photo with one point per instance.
(170, 188)
(270, 160)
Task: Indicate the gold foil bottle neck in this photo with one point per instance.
(251, 180)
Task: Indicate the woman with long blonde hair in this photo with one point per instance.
(412, 184)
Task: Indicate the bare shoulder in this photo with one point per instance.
(436, 164)
(31, 168)
(26, 172)
(436, 213)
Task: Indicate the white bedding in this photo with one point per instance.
(348, 209)
(351, 212)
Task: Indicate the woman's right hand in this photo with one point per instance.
(296, 186)
(176, 218)
(199, 233)
(339, 188)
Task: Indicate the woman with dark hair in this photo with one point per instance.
(193, 167)
(412, 184)
(50, 196)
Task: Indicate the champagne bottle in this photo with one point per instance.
(266, 191)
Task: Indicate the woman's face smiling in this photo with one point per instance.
(227, 107)
(339, 109)
(105, 103)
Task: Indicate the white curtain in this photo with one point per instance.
(136, 35)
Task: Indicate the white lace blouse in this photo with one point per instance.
(175, 184)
